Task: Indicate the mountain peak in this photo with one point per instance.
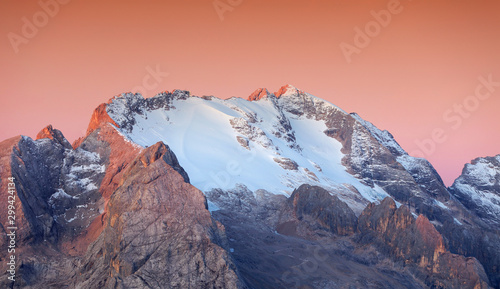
(263, 92)
(287, 90)
(53, 134)
(259, 94)
(99, 117)
(46, 132)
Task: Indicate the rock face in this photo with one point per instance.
(99, 117)
(158, 234)
(44, 170)
(395, 246)
(272, 248)
(318, 205)
(418, 243)
(258, 94)
(56, 199)
(24, 228)
(53, 134)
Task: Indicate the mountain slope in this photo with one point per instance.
(292, 137)
(478, 188)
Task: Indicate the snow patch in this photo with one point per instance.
(88, 168)
(383, 137)
(440, 204)
(212, 207)
(59, 195)
(488, 201)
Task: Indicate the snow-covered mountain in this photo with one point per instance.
(233, 193)
(478, 188)
(274, 142)
(262, 144)
(271, 141)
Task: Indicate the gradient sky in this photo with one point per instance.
(416, 68)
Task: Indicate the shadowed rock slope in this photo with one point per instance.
(314, 240)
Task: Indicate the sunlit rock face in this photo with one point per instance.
(158, 231)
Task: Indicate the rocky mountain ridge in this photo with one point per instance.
(106, 209)
(478, 188)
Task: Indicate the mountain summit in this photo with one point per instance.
(180, 191)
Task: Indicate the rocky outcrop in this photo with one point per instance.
(258, 94)
(250, 132)
(158, 234)
(161, 150)
(286, 89)
(53, 134)
(35, 165)
(24, 232)
(286, 163)
(272, 248)
(239, 199)
(397, 232)
(417, 243)
(374, 163)
(100, 117)
(384, 238)
(322, 210)
(125, 107)
(56, 197)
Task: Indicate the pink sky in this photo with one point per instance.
(417, 67)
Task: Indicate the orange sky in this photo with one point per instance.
(423, 62)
